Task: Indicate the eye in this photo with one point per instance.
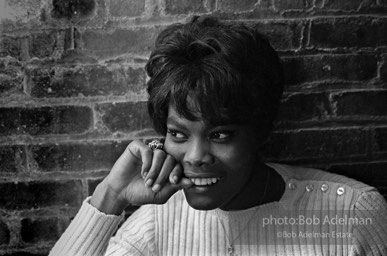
(222, 135)
(176, 134)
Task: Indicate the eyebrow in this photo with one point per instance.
(175, 121)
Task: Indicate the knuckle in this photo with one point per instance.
(159, 152)
(135, 144)
(158, 156)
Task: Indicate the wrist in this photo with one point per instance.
(107, 200)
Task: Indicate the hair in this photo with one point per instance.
(228, 70)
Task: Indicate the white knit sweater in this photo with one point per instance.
(319, 214)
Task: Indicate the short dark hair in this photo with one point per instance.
(229, 70)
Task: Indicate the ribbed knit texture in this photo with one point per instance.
(176, 229)
(88, 233)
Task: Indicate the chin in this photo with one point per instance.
(202, 203)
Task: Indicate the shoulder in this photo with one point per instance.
(335, 197)
(317, 178)
(370, 235)
(313, 188)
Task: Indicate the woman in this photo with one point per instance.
(214, 91)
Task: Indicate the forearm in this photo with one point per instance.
(88, 234)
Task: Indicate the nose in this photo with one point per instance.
(198, 153)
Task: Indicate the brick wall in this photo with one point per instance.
(72, 95)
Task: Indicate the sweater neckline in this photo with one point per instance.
(247, 213)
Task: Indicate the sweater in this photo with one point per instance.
(319, 214)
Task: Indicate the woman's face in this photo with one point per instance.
(219, 160)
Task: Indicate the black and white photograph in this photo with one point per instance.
(193, 127)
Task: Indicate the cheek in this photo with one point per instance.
(238, 160)
(174, 150)
(235, 154)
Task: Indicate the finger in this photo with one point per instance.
(169, 189)
(184, 183)
(176, 174)
(166, 169)
(157, 163)
(147, 159)
(143, 153)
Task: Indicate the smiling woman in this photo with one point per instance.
(224, 153)
(214, 91)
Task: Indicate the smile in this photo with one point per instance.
(204, 181)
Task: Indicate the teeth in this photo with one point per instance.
(204, 181)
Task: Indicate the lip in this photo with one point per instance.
(201, 175)
(204, 177)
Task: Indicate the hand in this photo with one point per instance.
(140, 176)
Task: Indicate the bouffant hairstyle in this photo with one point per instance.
(228, 70)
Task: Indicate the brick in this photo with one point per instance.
(236, 6)
(10, 46)
(46, 44)
(188, 6)
(380, 140)
(74, 57)
(97, 18)
(12, 159)
(116, 42)
(329, 67)
(22, 12)
(348, 32)
(125, 117)
(316, 144)
(45, 120)
(11, 77)
(371, 103)
(369, 172)
(45, 229)
(124, 8)
(339, 4)
(283, 35)
(77, 157)
(23, 253)
(84, 13)
(37, 194)
(85, 80)
(300, 107)
(383, 69)
(292, 4)
(92, 185)
(72, 9)
(4, 233)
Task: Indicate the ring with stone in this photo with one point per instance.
(155, 144)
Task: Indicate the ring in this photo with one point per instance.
(155, 144)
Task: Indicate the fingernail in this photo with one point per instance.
(175, 179)
(144, 175)
(187, 183)
(149, 182)
(156, 188)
